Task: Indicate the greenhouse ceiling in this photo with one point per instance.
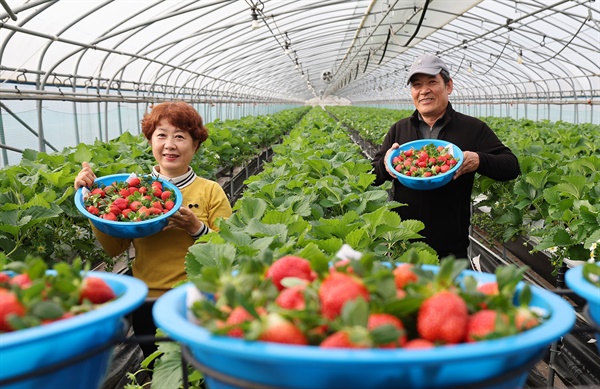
(294, 51)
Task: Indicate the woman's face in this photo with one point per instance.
(172, 148)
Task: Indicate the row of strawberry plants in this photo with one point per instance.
(554, 202)
(37, 211)
(315, 195)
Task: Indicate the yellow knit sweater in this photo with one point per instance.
(160, 258)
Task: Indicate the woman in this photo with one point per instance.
(175, 132)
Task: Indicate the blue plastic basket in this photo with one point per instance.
(30, 351)
(129, 229)
(591, 293)
(229, 362)
(425, 183)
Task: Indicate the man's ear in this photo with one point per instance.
(450, 86)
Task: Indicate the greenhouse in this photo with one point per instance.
(240, 194)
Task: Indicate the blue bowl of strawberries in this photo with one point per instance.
(364, 326)
(425, 164)
(128, 206)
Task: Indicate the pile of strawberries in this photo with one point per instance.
(133, 200)
(428, 161)
(361, 303)
(30, 296)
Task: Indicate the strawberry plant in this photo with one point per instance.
(31, 296)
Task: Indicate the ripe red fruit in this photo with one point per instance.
(96, 290)
(341, 339)
(403, 275)
(121, 203)
(336, 290)
(489, 288)
(419, 343)
(292, 298)
(134, 181)
(443, 318)
(98, 191)
(279, 330)
(525, 319)
(21, 280)
(165, 195)
(9, 305)
(169, 204)
(289, 266)
(380, 319)
(93, 210)
(480, 324)
(238, 316)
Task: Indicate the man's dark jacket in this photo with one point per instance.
(446, 211)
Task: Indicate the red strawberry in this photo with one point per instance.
(289, 266)
(122, 203)
(109, 216)
(443, 318)
(480, 324)
(114, 209)
(134, 181)
(238, 316)
(403, 275)
(98, 191)
(279, 330)
(157, 205)
(9, 305)
(525, 319)
(96, 290)
(133, 189)
(169, 204)
(336, 290)
(23, 281)
(343, 339)
(292, 298)
(489, 288)
(143, 190)
(4, 278)
(165, 195)
(135, 206)
(380, 319)
(125, 213)
(157, 192)
(93, 210)
(156, 184)
(419, 343)
(124, 193)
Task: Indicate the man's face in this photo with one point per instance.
(430, 94)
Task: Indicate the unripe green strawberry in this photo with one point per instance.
(443, 318)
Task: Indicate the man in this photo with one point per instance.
(446, 211)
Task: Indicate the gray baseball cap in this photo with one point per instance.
(426, 64)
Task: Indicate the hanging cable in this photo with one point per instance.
(386, 45)
(367, 63)
(419, 24)
(569, 42)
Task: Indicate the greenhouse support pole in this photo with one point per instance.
(75, 122)
(40, 133)
(3, 141)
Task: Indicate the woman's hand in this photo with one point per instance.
(85, 177)
(394, 147)
(186, 219)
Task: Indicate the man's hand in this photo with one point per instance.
(470, 164)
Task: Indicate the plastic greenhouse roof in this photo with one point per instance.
(360, 50)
